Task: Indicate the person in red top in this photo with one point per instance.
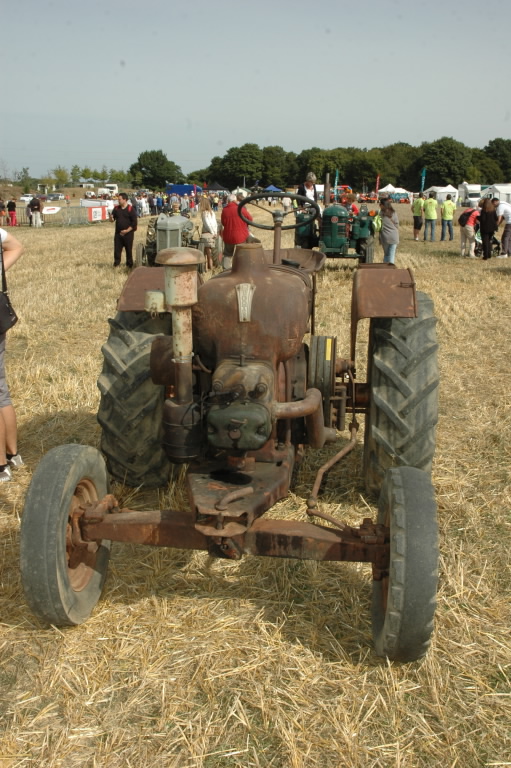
(234, 230)
(468, 237)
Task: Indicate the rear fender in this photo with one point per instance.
(381, 290)
(142, 279)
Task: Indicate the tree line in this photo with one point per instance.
(446, 161)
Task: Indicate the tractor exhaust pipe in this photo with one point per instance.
(181, 416)
(181, 265)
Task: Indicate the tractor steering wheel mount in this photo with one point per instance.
(279, 216)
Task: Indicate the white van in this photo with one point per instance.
(469, 194)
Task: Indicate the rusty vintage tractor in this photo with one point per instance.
(217, 375)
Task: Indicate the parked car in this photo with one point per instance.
(26, 198)
(56, 196)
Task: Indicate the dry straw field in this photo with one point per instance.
(189, 662)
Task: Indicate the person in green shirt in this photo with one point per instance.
(430, 216)
(417, 212)
(447, 211)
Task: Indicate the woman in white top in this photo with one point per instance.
(209, 230)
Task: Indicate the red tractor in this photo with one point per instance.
(229, 377)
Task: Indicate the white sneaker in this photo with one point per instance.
(15, 461)
(502, 256)
(5, 475)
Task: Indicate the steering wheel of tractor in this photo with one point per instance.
(279, 216)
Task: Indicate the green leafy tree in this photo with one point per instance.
(216, 171)
(499, 150)
(198, 177)
(155, 169)
(396, 160)
(135, 179)
(446, 160)
(337, 160)
(86, 173)
(61, 176)
(363, 168)
(242, 165)
(484, 169)
(274, 171)
(119, 177)
(103, 174)
(75, 174)
(23, 177)
(315, 160)
(291, 168)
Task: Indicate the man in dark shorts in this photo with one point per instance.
(125, 218)
(418, 213)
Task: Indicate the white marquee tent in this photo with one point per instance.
(442, 192)
(502, 191)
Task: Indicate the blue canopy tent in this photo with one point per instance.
(183, 189)
(271, 188)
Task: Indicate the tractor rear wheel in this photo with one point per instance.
(62, 577)
(131, 406)
(404, 597)
(403, 394)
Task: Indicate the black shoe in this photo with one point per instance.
(130, 265)
(117, 263)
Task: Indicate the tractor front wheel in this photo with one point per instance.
(63, 577)
(131, 406)
(366, 251)
(404, 597)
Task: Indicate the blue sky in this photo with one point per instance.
(98, 82)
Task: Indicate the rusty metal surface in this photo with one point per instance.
(304, 541)
(215, 490)
(179, 257)
(141, 280)
(310, 408)
(157, 528)
(313, 498)
(310, 261)
(279, 315)
(161, 360)
(267, 538)
(381, 290)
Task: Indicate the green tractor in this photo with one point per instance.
(345, 235)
